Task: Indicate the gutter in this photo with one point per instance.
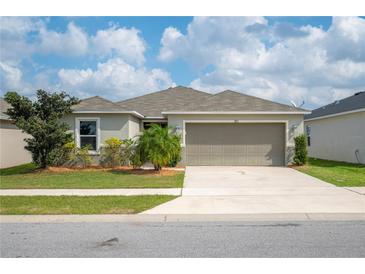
(235, 112)
(135, 113)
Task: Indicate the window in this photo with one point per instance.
(308, 133)
(87, 133)
(147, 124)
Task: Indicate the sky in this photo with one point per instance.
(286, 59)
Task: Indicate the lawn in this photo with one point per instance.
(337, 173)
(28, 176)
(79, 205)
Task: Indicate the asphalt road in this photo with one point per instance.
(195, 239)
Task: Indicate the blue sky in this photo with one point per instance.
(311, 59)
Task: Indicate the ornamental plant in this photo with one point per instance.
(158, 145)
(111, 154)
(301, 153)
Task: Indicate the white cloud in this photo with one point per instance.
(114, 79)
(14, 46)
(10, 76)
(123, 42)
(72, 42)
(120, 52)
(279, 62)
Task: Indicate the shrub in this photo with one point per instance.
(83, 157)
(159, 146)
(70, 155)
(300, 157)
(111, 153)
(127, 152)
(61, 155)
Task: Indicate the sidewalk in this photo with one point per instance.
(91, 192)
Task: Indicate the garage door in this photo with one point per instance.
(235, 144)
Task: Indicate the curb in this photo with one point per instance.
(140, 218)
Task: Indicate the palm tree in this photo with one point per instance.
(159, 145)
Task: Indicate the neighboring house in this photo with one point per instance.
(337, 131)
(227, 128)
(11, 141)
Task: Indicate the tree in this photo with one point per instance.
(41, 120)
(300, 157)
(159, 145)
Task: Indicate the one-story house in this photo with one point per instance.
(337, 131)
(11, 141)
(227, 128)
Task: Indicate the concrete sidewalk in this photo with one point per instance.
(91, 192)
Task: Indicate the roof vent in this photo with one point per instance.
(357, 93)
(337, 102)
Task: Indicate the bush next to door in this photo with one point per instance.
(300, 156)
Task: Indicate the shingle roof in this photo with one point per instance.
(96, 103)
(3, 108)
(153, 104)
(357, 101)
(229, 100)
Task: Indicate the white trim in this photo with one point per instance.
(335, 114)
(77, 132)
(155, 117)
(235, 112)
(109, 111)
(286, 122)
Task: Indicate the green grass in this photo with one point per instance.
(337, 173)
(27, 177)
(22, 169)
(15, 205)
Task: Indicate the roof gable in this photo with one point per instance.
(96, 103)
(232, 101)
(354, 102)
(153, 104)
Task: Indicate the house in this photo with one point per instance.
(11, 141)
(227, 128)
(337, 131)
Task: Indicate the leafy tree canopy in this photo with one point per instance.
(41, 119)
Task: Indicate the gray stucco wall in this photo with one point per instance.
(292, 120)
(134, 126)
(337, 138)
(12, 145)
(121, 126)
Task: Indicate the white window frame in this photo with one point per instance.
(78, 135)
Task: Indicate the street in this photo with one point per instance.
(193, 239)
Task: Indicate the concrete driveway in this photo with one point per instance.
(258, 190)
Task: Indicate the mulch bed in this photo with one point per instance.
(128, 169)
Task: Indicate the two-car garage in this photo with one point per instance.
(232, 144)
